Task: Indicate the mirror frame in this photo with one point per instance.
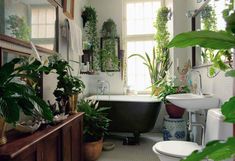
(193, 28)
(22, 43)
(69, 13)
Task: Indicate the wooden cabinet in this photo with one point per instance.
(62, 142)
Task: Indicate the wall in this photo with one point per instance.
(50, 81)
(108, 9)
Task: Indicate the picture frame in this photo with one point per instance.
(105, 68)
(68, 8)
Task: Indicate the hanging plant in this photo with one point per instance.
(89, 17)
(109, 29)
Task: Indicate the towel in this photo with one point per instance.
(75, 39)
(75, 46)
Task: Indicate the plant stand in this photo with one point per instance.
(174, 128)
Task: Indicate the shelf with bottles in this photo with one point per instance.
(87, 62)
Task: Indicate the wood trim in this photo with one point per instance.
(69, 14)
(24, 44)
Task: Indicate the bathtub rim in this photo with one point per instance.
(152, 99)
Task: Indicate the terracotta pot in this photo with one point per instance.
(73, 99)
(92, 150)
(3, 139)
(174, 111)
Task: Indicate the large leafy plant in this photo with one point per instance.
(222, 40)
(96, 122)
(16, 96)
(67, 83)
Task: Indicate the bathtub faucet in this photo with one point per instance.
(102, 86)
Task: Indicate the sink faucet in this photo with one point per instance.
(200, 83)
(102, 86)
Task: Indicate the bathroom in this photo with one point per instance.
(138, 120)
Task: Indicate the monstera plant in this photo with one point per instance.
(221, 40)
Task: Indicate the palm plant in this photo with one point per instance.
(157, 67)
(15, 96)
(96, 122)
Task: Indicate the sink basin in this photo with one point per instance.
(193, 102)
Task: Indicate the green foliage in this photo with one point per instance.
(157, 67)
(215, 150)
(215, 40)
(228, 110)
(169, 88)
(109, 29)
(207, 39)
(15, 96)
(162, 35)
(18, 27)
(90, 15)
(209, 18)
(95, 122)
(109, 59)
(67, 84)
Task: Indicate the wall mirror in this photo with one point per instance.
(110, 54)
(30, 20)
(208, 17)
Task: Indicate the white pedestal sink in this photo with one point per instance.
(193, 102)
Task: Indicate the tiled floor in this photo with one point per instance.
(141, 152)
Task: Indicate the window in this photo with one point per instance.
(139, 18)
(43, 26)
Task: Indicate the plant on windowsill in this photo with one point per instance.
(169, 88)
(159, 63)
(89, 17)
(216, 40)
(108, 53)
(95, 126)
(16, 96)
(68, 86)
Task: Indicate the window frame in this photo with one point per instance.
(137, 37)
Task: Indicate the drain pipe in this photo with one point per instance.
(203, 132)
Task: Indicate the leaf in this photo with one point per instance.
(230, 73)
(228, 110)
(11, 111)
(215, 150)
(26, 106)
(206, 39)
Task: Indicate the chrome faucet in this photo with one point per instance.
(102, 86)
(200, 82)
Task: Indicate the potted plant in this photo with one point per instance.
(16, 96)
(169, 88)
(68, 86)
(95, 126)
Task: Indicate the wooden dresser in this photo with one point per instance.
(62, 142)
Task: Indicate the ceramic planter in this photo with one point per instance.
(174, 111)
(174, 129)
(3, 139)
(92, 150)
(73, 99)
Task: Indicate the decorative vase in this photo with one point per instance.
(92, 150)
(73, 99)
(174, 111)
(3, 139)
(174, 129)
